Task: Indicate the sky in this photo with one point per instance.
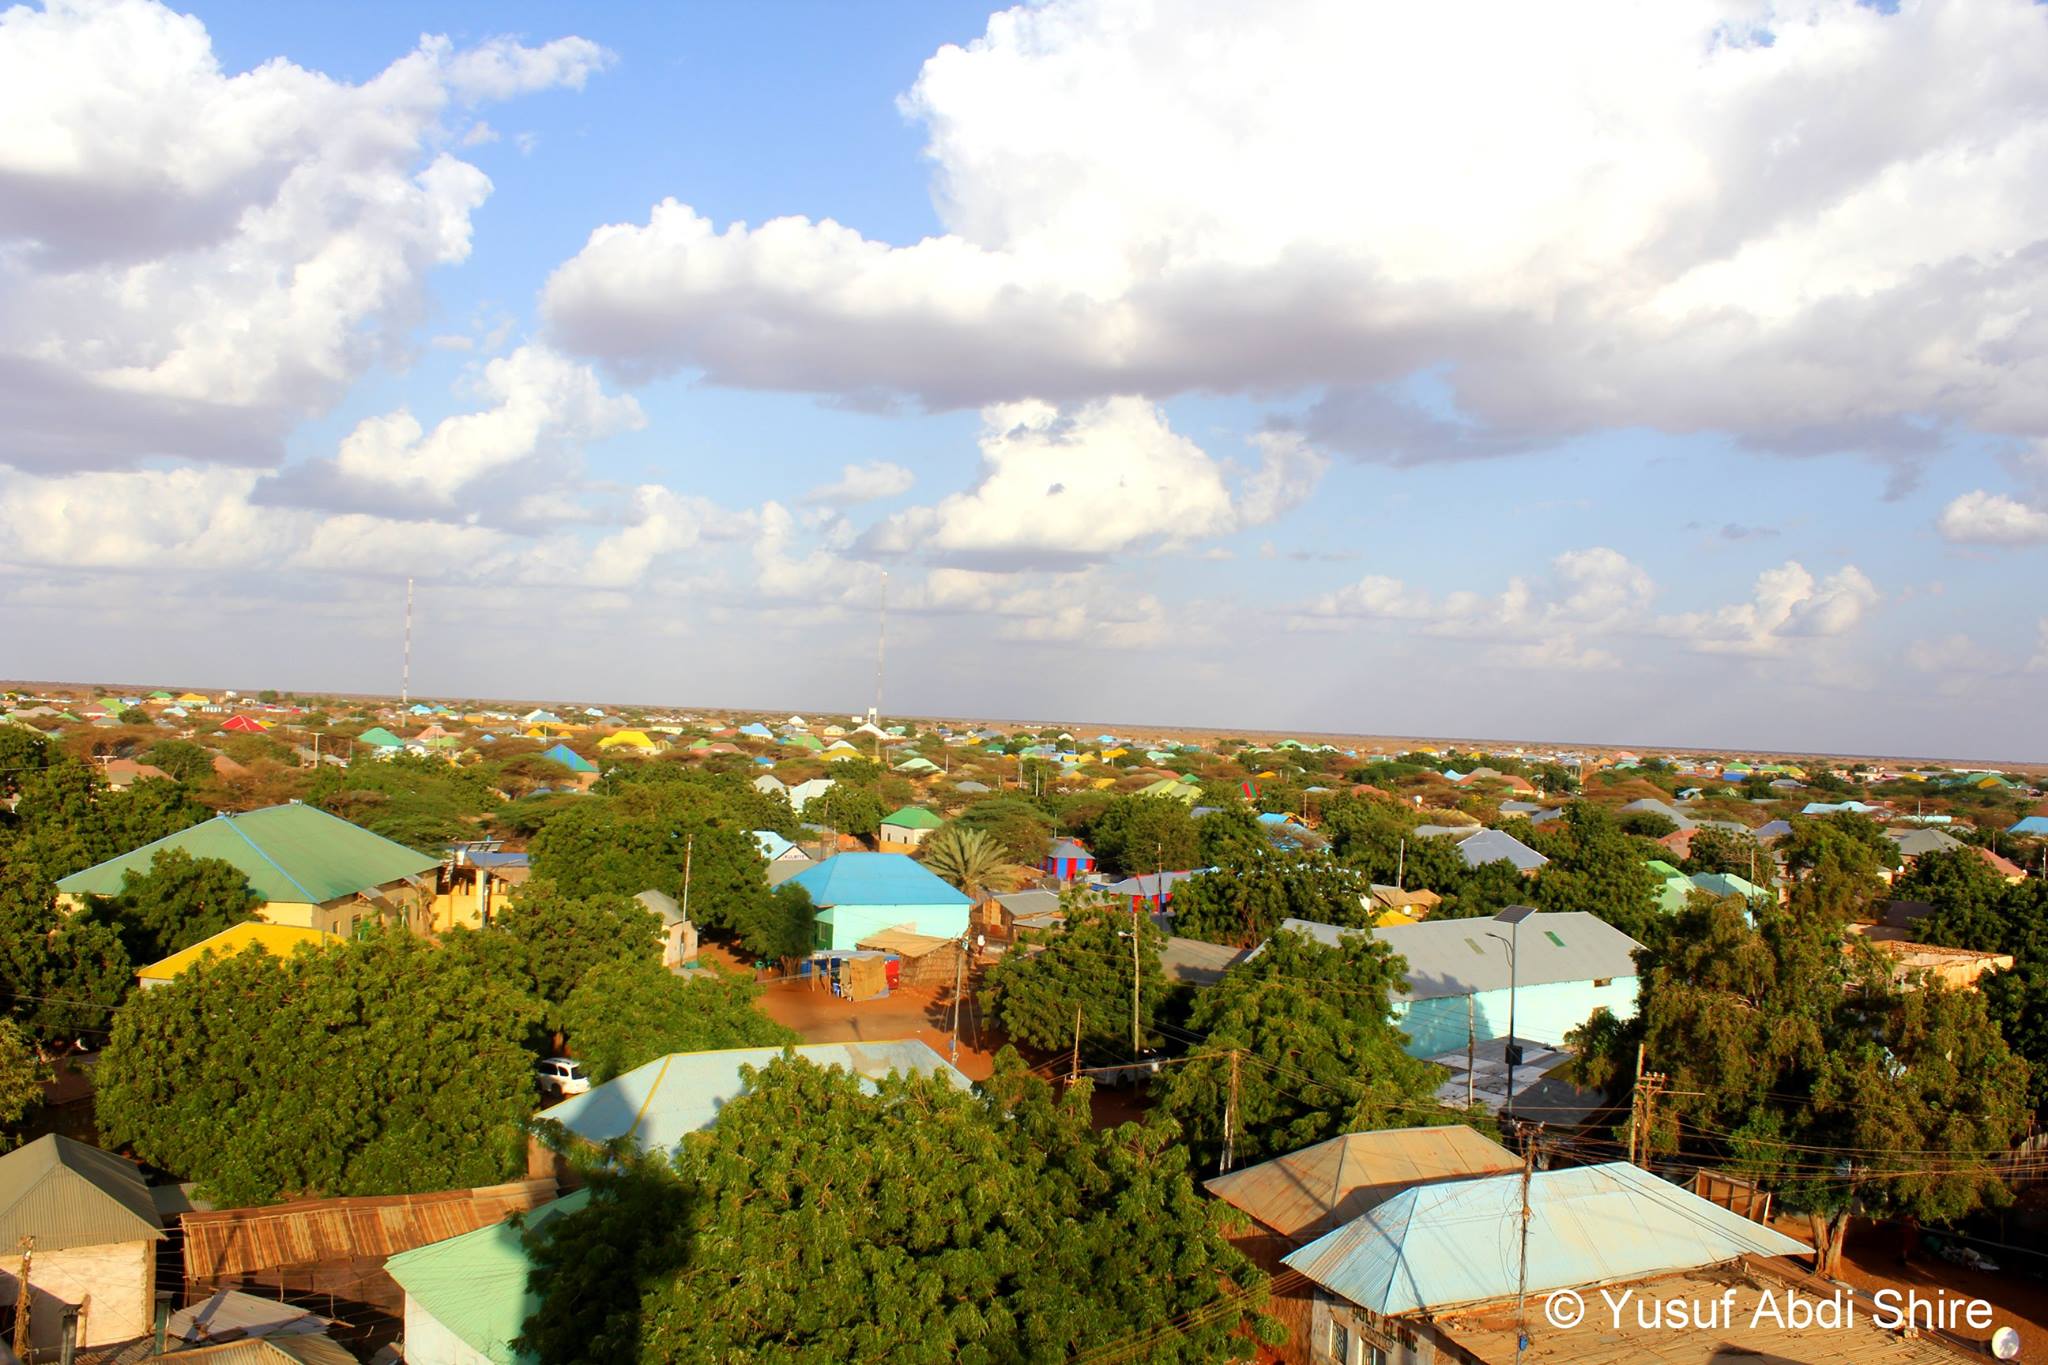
(1670, 374)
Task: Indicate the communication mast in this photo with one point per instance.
(405, 678)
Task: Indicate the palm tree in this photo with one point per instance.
(970, 860)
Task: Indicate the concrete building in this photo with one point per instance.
(1460, 976)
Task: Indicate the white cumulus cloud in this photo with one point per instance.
(858, 483)
(1069, 486)
(1812, 225)
(191, 261)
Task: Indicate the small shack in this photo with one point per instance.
(79, 1225)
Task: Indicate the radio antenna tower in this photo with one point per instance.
(881, 650)
(405, 678)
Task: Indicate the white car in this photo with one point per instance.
(562, 1077)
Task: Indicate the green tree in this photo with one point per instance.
(647, 838)
(22, 1074)
(1714, 849)
(134, 715)
(554, 940)
(1309, 1031)
(1244, 904)
(189, 763)
(969, 861)
(1035, 991)
(62, 974)
(380, 1066)
(179, 901)
(1016, 823)
(1598, 868)
(846, 808)
(1136, 834)
(624, 1014)
(1779, 1044)
(917, 1223)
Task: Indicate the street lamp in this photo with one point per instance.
(1512, 917)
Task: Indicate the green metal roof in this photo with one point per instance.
(475, 1285)
(913, 817)
(66, 1194)
(289, 853)
(381, 737)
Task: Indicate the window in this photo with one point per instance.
(1340, 1344)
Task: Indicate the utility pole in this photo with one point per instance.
(1401, 866)
(21, 1299)
(959, 970)
(1134, 980)
(1229, 1116)
(1522, 1275)
(689, 849)
(1651, 1083)
(1074, 1070)
(405, 677)
(1471, 1052)
(1635, 1105)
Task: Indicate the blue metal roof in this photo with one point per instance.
(2033, 824)
(771, 844)
(659, 1103)
(1440, 1245)
(570, 759)
(875, 879)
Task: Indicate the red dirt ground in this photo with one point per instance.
(1872, 1262)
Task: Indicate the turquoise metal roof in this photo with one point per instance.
(875, 879)
(475, 1284)
(570, 759)
(1438, 1246)
(289, 853)
(670, 1097)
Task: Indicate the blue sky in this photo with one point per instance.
(1189, 365)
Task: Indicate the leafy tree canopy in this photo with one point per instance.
(1035, 992)
(625, 1013)
(1781, 1044)
(1318, 1052)
(380, 1066)
(1244, 904)
(917, 1223)
(968, 860)
(1137, 834)
(22, 1074)
(179, 901)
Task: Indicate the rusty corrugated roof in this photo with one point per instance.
(314, 1231)
(1306, 1193)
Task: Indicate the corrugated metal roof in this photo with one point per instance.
(306, 1232)
(296, 1350)
(875, 879)
(231, 1313)
(1305, 1193)
(1439, 1246)
(1457, 957)
(289, 853)
(475, 1284)
(279, 940)
(1495, 846)
(657, 1104)
(1194, 962)
(66, 1194)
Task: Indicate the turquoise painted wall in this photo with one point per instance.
(1543, 1014)
(844, 926)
